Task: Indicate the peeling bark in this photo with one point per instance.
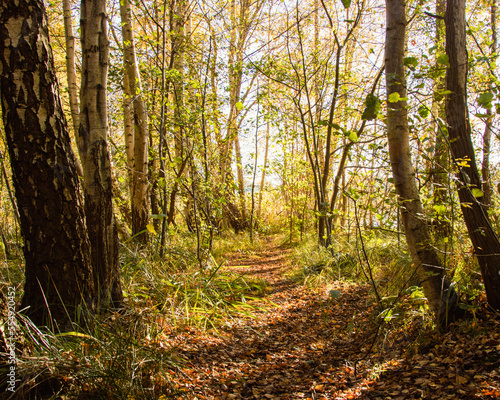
(57, 248)
(140, 184)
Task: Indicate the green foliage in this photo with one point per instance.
(477, 192)
(392, 264)
(395, 97)
(121, 357)
(188, 294)
(372, 107)
(407, 304)
(346, 3)
(411, 62)
(443, 59)
(131, 354)
(424, 111)
(485, 99)
(229, 243)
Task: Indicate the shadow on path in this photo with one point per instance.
(309, 346)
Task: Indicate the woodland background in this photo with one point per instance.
(226, 124)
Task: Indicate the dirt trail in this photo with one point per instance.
(286, 353)
(311, 346)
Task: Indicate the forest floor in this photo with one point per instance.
(325, 343)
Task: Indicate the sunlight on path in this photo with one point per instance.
(304, 344)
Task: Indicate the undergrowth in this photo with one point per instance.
(318, 265)
(132, 354)
(383, 261)
(120, 357)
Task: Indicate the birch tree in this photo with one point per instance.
(93, 148)
(59, 277)
(136, 140)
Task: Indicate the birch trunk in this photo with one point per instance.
(71, 72)
(93, 147)
(263, 176)
(140, 185)
(57, 249)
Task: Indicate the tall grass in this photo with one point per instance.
(318, 265)
(116, 359)
(133, 354)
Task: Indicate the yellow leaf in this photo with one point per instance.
(151, 228)
(477, 192)
(319, 388)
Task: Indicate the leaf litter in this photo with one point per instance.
(324, 343)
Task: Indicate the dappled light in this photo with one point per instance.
(260, 200)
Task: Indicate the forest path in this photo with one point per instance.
(298, 346)
(305, 344)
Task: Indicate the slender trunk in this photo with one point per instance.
(241, 181)
(71, 72)
(140, 184)
(441, 160)
(485, 170)
(128, 133)
(343, 212)
(263, 176)
(162, 139)
(177, 27)
(93, 147)
(241, 19)
(430, 271)
(483, 237)
(70, 65)
(252, 209)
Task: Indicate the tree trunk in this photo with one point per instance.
(263, 176)
(57, 249)
(441, 160)
(70, 65)
(485, 170)
(429, 269)
(177, 35)
(241, 180)
(71, 72)
(128, 134)
(483, 237)
(140, 185)
(242, 16)
(93, 147)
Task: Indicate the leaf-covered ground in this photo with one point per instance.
(307, 344)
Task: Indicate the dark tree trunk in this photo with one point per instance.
(488, 129)
(483, 237)
(440, 166)
(56, 249)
